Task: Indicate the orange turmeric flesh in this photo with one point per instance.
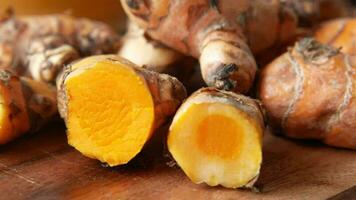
(216, 143)
(112, 107)
(110, 112)
(217, 126)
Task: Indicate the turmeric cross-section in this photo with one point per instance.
(216, 138)
(112, 107)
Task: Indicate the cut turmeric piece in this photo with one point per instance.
(25, 105)
(112, 107)
(216, 138)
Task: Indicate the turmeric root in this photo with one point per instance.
(310, 92)
(216, 138)
(142, 51)
(216, 32)
(339, 33)
(112, 107)
(39, 46)
(25, 105)
(145, 52)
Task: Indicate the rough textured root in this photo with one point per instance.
(119, 107)
(342, 125)
(309, 93)
(315, 52)
(39, 46)
(227, 63)
(25, 105)
(339, 33)
(167, 93)
(216, 138)
(46, 56)
(139, 49)
(238, 21)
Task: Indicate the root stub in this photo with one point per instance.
(111, 106)
(216, 138)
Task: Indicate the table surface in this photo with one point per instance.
(43, 166)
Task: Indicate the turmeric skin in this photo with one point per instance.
(339, 33)
(309, 93)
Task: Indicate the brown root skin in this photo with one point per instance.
(26, 105)
(39, 46)
(204, 24)
(315, 52)
(309, 92)
(227, 64)
(213, 132)
(339, 33)
(147, 98)
(167, 92)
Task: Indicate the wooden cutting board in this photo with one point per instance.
(43, 166)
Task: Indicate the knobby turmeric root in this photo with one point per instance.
(217, 32)
(216, 138)
(25, 105)
(310, 92)
(112, 107)
(339, 33)
(39, 46)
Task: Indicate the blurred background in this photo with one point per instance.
(109, 11)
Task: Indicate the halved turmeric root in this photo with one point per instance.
(111, 106)
(25, 105)
(216, 138)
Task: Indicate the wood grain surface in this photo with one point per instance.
(43, 166)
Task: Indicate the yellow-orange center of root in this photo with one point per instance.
(110, 112)
(218, 135)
